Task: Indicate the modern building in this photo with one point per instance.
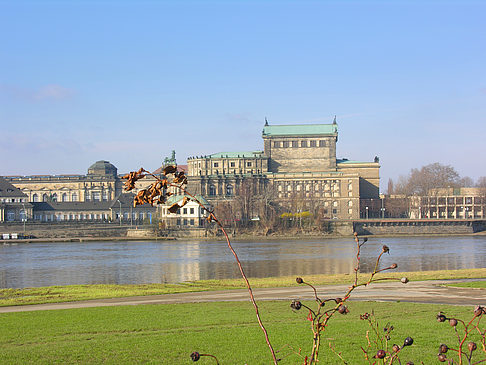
(449, 203)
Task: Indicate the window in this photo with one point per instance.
(212, 190)
(350, 203)
(184, 211)
(54, 197)
(105, 195)
(64, 197)
(35, 198)
(286, 144)
(229, 189)
(248, 164)
(232, 164)
(313, 143)
(295, 144)
(96, 196)
(74, 197)
(276, 144)
(191, 221)
(216, 164)
(322, 143)
(191, 210)
(303, 144)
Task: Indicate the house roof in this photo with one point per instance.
(176, 198)
(8, 190)
(300, 130)
(126, 201)
(71, 206)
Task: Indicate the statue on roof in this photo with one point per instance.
(171, 160)
(334, 122)
(266, 122)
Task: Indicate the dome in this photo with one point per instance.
(102, 168)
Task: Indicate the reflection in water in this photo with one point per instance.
(42, 264)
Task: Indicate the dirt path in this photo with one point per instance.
(418, 292)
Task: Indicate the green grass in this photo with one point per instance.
(54, 294)
(167, 334)
(470, 284)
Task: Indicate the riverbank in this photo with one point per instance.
(242, 237)
(71, 293)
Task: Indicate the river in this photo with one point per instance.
(137, 262)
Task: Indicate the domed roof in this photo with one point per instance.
(103, 168)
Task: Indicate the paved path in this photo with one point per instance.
(418, 292)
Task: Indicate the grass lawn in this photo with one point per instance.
(470, 284)
(168, 334)
(54, 294)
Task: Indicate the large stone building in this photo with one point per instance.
(297, 167)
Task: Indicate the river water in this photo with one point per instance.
(133, 262)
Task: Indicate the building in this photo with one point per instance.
(190, 215)
(297, 168)
(449, 203)
(101, 183)
(14, 205)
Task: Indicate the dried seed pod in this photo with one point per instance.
(443, 348)
(408, 341)
(296, 305)
(441, 317)
(380, 354)
(404, 280)
(472, 346)
(386, 249)
(396, 348)
(442, 358)
(393, 266)
(299, 280)
(343, 309)
(453, 322)
(195, 356)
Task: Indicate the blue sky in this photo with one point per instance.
(129, 81)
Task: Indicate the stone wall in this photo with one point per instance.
(418, 227)
(65, 230)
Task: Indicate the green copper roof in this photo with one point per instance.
(176, 198)
(300, 129)
(250, 154)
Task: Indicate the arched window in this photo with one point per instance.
(35, 198)
(212, 190)
(44, 197)
(229, 189)
(64, 197)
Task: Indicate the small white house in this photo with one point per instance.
(191, 215)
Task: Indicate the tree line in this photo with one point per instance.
(419, 181)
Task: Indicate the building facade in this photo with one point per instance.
(297, 168)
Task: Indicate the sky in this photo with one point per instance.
(130, 81)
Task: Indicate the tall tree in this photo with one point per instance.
(422, 181)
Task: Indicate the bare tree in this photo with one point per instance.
(422, 181)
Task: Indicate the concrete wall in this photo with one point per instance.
(418, 227)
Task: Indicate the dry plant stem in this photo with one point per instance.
(242, 272)
(248, 286)
(317, 325)
(209, 355)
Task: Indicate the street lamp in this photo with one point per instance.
(366, 212)
(120, 215)
(465, 212)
